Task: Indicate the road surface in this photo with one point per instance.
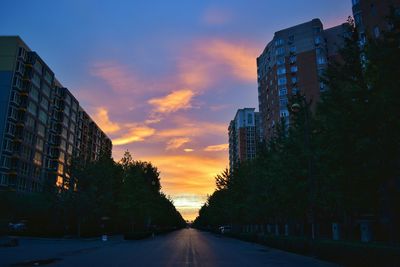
(187, 247)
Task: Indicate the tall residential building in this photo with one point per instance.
(370, 16)
(39, 122)
(292, 63)
(244, 135)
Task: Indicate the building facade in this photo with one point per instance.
(292, 63)
(370, 16)
(39, 122)
(244, 136)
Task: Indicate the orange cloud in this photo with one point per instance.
(173, 102)
(135, 134)
(194, 72)
(222, 147)
(189, 173)
(102, 119)
(116, 75)
(241, 59)
(188, 150)
(177, 143)
(187, 128)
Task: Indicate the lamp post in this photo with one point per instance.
(296, 108)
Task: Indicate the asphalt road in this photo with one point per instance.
(187, 247)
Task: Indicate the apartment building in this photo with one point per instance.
(292, 63)
(370, 16)
(244, 136)
(39, 122)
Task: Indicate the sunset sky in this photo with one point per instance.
(163, 78)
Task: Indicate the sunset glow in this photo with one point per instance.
(164, 80)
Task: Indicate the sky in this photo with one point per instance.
(163, 78)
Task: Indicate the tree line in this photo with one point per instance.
(337, 163)
(104, 196)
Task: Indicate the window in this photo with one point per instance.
(291, 38)
(65, 121)
(295, 91)
(292, 49)
(376, 32)
(66, 110)
(280, 51)
(30, 122)
(15, 97)
(48, 77)
(59, 182)
(282, 81)
(10, 128)
(3, 179)
(39, 144)
(7, 145)
(282, 92)
(293, 59)
(36, 79)
(5, 162)
(38, 67)
(358, 19)
(44, 103)
(279, 42)
(40, 130)
(294, 80)
(74, 106)
(42, 116)
(24, 169)
(61, 157)
(72, 128)
(28, 137)
(321, 86)
(20, 68)
(37, 159)
(46, 90)
(321, 60)
(34, 94)
(317, 30)
(63, 144)
(60, 169)
(70, 149)
(280, 61)
(68, 99)
(249, 118)
(71, 138)
(317, 40)
(284, 113)
(73, 116)
(363, 38)
(293, 69)
(283, 102)
(281, 70)
(22, 52)
(13, 113)
(17, 82)
(64, 133)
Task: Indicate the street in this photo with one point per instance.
(187, 247)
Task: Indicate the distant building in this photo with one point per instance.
(293, 63)
(244, 135)
(370, 16)
(40, 123)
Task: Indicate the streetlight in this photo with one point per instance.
(296, 108)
